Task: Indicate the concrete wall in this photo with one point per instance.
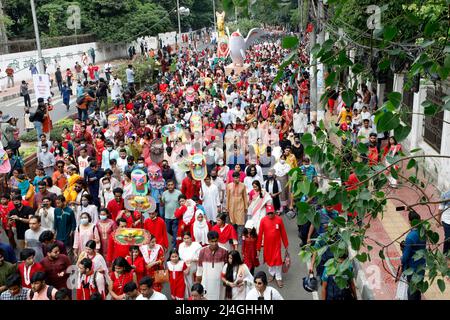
(437, 168)
(65, 56)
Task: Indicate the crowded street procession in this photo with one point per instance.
(182, 189)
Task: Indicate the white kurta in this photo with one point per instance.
(210, 269)
(211, 200)
(187, 254)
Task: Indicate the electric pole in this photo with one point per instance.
(38, 40)
(214, 15)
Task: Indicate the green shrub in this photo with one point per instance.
(27, 151)
(55, 134)
(144, 69)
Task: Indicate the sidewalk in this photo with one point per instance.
(14, 92)
(378, 274)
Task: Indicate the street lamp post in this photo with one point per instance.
(179, 20)
(38, 40)
(214, 15)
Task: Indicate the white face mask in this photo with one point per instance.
(103, 217)
(107, 186)
(282, 161)
(44, 150)
(82, 145)
(84, 221)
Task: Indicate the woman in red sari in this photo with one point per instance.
(99, 145)
(226, 233)
(153, 255)
(121, 274)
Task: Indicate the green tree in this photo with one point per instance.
(402, 24)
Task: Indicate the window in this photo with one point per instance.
(433, 125)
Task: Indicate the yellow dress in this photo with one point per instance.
(70, 194)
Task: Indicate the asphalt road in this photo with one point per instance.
(15, 108)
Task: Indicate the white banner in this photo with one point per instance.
(41, 86)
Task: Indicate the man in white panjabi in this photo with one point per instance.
(211, 260)
(209, 193)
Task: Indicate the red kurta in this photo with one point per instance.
(35, 267)
(249, 252)
(115, 249)
(226, 234)
(176, 279)
(157, 228)
(272, 232)
(114, 208)
(119, 282)
(182, 226)
(139, 269)
(190, 188)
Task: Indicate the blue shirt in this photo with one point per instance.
(310, 172)
(325, 218)
(413, 243)
(64, 224)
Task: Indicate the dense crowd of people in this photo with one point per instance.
(206, 231)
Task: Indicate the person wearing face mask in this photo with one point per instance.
(86, 230)
(108, 154)
(273, 186)
(220, 184)
(106, 192)
(46, 160)
(309, 170)
(86, 206)
(106, 226)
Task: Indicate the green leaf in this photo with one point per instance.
(394, 173)
(395, 98)
(402, 132)
(388, 121)
(365, 195)
(348, 96)
(362, 148)
(339, 221)
(289, 42)
(415, 150)
(381, 254)
(441, 285)
(362, 257)
(431, 109)
(307, 140)
(280, 73)
(328, 45)
(430, 28)
(357, 68)
(315, 49)
(356, 243)
(384, 64)
(411, 163)
(433, 236)
(389, 32)
(330, 79)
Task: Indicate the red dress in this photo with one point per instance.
(139, 264)
(119, 282)
(157, 228)
(86, 287)
(249, 252)
(176, 279)
(99, 147)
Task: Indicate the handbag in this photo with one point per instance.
(402, 288)
(161, 276)
(286, 263)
